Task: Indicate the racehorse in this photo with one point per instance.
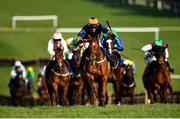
(127, 85)
(95, 69)
(156, 77)
(116, 70)
(43, 90)
(59, 80)
(76, 85)
(17, 89)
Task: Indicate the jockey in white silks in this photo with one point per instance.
(149, 57)
(57, 41)
(13, 73)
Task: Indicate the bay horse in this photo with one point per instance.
(43, 90)
(17, 88)
(116, 70)
(127, 84)
(76, 85)
(59, 80)
(95, 69)
(156, 77)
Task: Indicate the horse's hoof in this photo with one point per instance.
(102, 104)
(58, 105)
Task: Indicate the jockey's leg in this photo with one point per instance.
(169, 67)
(48, 69)
(69, 66)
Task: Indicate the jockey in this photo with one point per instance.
(72, 44)
(30, 73)
(127, 62)
(57, 41)
(118, 44)
(148, 55)
(131, 63)
(93, 28)
(18, 67)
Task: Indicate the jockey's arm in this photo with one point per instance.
(119, 43)
(63, 43)
(23, 71)
(82, 33)
(166, 53)
(13, 73)
(146, 48)
(51, 48)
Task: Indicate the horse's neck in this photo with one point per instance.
(60, 66)
(101, 56)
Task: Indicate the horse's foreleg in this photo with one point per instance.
(116, 86)
(171, 92)
(92, 92)
(102, 92)
(64, 95)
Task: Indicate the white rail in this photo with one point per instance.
(25, 18)
(118, 29)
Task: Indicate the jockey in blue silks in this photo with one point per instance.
(117, 45)
(93, 28)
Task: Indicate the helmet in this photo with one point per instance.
(93, 21)
(30, 69)
(57, 35)
(158, 42)
(115, 32)
(17, 63)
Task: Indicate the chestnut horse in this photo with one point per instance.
(156, 77)
(17, 89)
(59, 80)
(95, 69)
(116, 71)
(76, 85)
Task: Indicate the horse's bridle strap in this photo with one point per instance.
(97, 62)
(58, 74)
(129, 86)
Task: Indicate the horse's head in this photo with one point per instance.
(159, 53)
(59, 55)
(128, 77)
(128, 70)
(76, 58)
(108, 44)
(93, 47)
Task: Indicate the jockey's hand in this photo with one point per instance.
(79, 39)
(81, 45)
(111, 34)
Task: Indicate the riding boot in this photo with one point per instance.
(48, 69)
(69, 67)
(169, 67)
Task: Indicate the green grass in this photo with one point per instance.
(110, 111)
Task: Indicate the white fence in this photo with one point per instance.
(118, 29)
(25, 18)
